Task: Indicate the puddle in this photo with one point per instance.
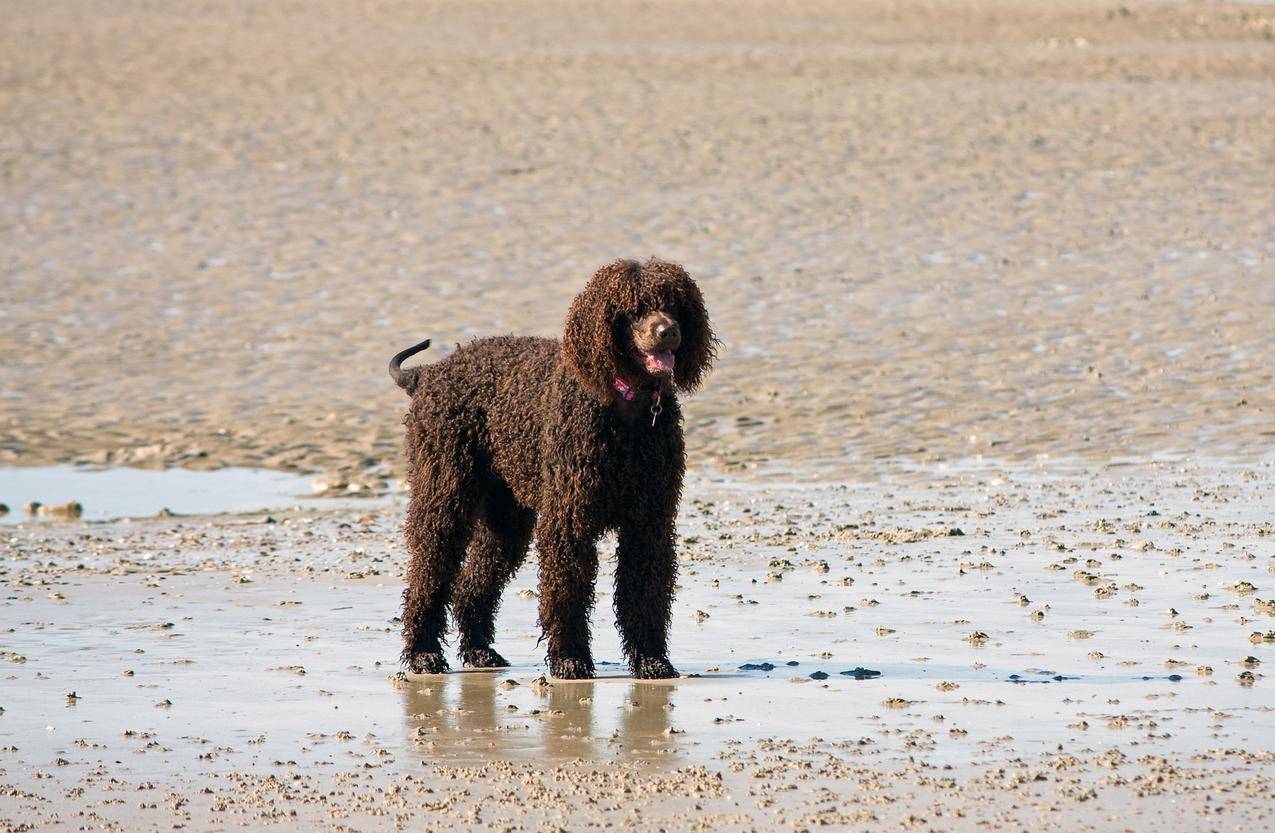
(105, 494)
(316, 661)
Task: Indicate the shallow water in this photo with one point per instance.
(807, 578)
(124, 492)
(277, 672)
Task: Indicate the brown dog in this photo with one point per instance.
(514, 437)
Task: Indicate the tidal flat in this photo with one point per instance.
(977, 533)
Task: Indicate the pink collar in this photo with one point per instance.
(629, 393)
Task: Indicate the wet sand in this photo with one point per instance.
(1001, 269)
(1060, 646)
(925, 230)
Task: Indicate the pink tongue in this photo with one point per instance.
(660, 361)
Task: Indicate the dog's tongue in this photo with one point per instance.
(660, 361)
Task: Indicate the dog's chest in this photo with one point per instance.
(635, 464)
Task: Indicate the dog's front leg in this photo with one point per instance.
(568, 570)
(646, 570)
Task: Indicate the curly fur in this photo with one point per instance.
(514, 438)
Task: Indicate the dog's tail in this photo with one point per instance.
(407, 379)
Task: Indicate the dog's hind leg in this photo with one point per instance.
(497, 550)
(439, 523)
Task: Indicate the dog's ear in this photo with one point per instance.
(589, 341)
(699, 345)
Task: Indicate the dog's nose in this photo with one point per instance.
(666, 332)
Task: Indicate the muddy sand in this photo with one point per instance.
(978, 528)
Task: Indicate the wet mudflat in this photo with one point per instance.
(1072, 647)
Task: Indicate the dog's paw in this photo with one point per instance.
(571, 668)
(426, 662)
(654, 668)
(482, 658)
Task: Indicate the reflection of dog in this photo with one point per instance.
(510, 437)
(466, 713)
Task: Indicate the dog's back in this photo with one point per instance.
(491, 393)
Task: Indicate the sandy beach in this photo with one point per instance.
(926, 230)
(992, 420)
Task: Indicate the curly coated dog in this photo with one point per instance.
(511, 438)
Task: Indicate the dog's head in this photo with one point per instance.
(642, 322)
